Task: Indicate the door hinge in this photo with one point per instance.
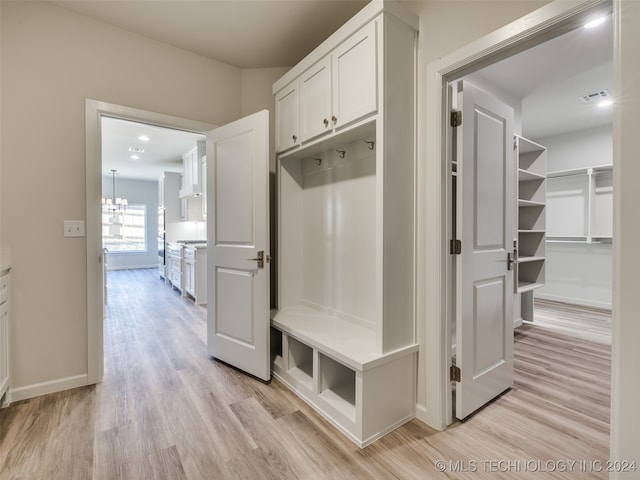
(455, 247)
(456, 118)
(454, 373)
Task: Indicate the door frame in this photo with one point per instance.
(435, 306)
(94, 111)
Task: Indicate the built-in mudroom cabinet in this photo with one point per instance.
(343, 337)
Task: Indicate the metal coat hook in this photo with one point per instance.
(370, 144)
(341, 153)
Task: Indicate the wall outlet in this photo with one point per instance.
(74, 228)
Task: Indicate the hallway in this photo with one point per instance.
(166, 410)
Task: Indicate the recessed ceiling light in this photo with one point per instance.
(605, 103)
(134, 157)
(143, 138)
(136, 149)
(595, 23)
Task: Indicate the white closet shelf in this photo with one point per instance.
(527, 286)
(529, 203)
(525, 259)
(347, 342)
(531, 231)
(526, 175)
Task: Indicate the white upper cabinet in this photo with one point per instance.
(287, 114)
(192, 170)
(336, 91)
(315, 100)
(355, 77)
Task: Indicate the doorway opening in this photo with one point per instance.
(557, 248)
(438, 305)
(142, 210)
(96, 114)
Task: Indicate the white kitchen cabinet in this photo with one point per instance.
(204, 187)
(175, 256)
(287, 117)
(191, 209)
(195, 273)
(192, 170)
(168, 200)
(339, 89)
(4, 334)
(343, 336)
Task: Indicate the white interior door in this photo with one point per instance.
(238, 235)
(485, 224)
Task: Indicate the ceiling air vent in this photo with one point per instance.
(595, 96)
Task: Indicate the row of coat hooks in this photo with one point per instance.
(342, 153)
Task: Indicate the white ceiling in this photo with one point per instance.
(244, 33)
(268, 33)
(550, 78)
(162, 152)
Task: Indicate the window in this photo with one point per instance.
(124, 231)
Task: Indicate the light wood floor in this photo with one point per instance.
(166, 410)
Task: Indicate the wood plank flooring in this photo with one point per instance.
(166, 410)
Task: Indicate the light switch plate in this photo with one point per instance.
(74, 228)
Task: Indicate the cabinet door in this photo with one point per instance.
(189, 277)
(287, 117)
(355, 78)
(161, 192)
(315, 100)
(204, 187)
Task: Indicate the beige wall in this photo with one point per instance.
(256, 95)
(52, 60)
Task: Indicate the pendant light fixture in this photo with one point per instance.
(114, 203)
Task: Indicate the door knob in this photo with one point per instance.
(326, 122)
(334, 119)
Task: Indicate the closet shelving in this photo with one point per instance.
(580, 205)
(531, 193)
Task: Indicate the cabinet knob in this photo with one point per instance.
(334, 119)
(295, 137)
(326, 122)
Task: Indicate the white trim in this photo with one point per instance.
(434, 189)
(51, 386)
(574, 301)
(131, 267)
(94, 111)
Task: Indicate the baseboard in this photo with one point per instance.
(422, 414)
(44, 388)
(574, 301)
(130, 267)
